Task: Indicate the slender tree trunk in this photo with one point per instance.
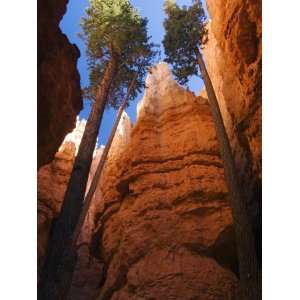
(97, 176)
(60, 259)
(250, 278)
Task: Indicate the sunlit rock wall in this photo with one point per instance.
(164, 228)
(52, 182)
(90, 270)
(233, 56)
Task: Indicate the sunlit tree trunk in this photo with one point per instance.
(60, 259)
(250, 278)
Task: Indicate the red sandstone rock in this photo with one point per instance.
(59, 93)
(233, 56)
(165, 203)
(52, 183)
(160, 221)
(89, 272)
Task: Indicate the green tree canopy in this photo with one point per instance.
(185, 31)
(113, 28)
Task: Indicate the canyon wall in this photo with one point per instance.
(58, 86)
(163, 229)
(52, 182)
(160, 224)
(233, 57)
(88, 269)
(89, 272)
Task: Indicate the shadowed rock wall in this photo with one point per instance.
(58, 92)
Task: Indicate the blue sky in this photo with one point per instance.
(70, 25)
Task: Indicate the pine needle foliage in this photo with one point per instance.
(185, 31)
(115, 28)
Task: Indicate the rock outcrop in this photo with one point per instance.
(52, 182)
(233, 56)
(160, 223)
(163, 229)
(89, 271)
(59, 93)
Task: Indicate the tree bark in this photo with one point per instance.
(97, 176)
(60, 260)
(250, 277)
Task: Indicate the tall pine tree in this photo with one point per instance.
(185, 35)
(118, 47)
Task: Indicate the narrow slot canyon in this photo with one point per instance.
(160, 223)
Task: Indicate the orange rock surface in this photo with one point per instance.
(89, 272)
(233, 57)
(165, 211)
(160, 224)
(58, 82)
(52, 182)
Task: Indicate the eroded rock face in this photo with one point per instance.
(59, 93)
(233, 57)
(52, 182)
(165, 212)
(89, 272)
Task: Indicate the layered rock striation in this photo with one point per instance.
(233, 57)
(59, 93)
(52, 183)
(52, 180)
(164, 225)
(160, 223)
(90, 270)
